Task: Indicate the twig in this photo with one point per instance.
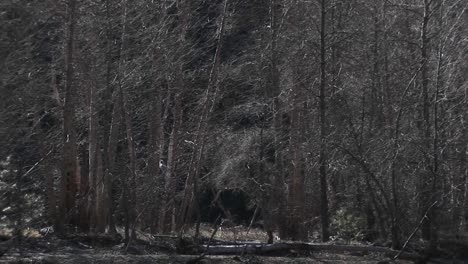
(37, 163)
(133, 229)
(218, 224)
(415, 230)
(252, 220)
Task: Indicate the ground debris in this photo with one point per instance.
(168, 249)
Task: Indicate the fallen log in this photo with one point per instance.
(281, 249)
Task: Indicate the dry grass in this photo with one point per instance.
(28, 232)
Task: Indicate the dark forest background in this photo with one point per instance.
(347, 117)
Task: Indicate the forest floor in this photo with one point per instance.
(233, 245)
(109, 257)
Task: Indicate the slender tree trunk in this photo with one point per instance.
(48, 170)
(387, 106)
(83, 192)
(128, 197)
(101, 212)
(155, 130)
(210, 98)
(67, 212)
(335, 83)
(278, 197)
(464, 213)
(51, 194)
(435, 181)
(92, 159)
(323, 159)
(393, 204)
(107, 119)
(156, 126)
(171, 207)
(296, 201)
(111, 158)
(132, 185)
(265, 192)
(426, 178)
(171, 177)
(386, 65)
(168, 178)
(377, 103)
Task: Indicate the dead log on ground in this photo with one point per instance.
(281, 249)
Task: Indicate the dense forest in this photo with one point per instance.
(317, 119)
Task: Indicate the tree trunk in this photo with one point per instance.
(169, 202)
(109, 130)
(426, 177)
(210, 98)
(101, 212)
(323, 159)
(128, 198)
(278, 196)
(109, 173)
(69, 181)
(50, 193)
(464, 213)
(155, 130)
(132, 185)
(92, 158)
(49, 169)
(296, 182)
